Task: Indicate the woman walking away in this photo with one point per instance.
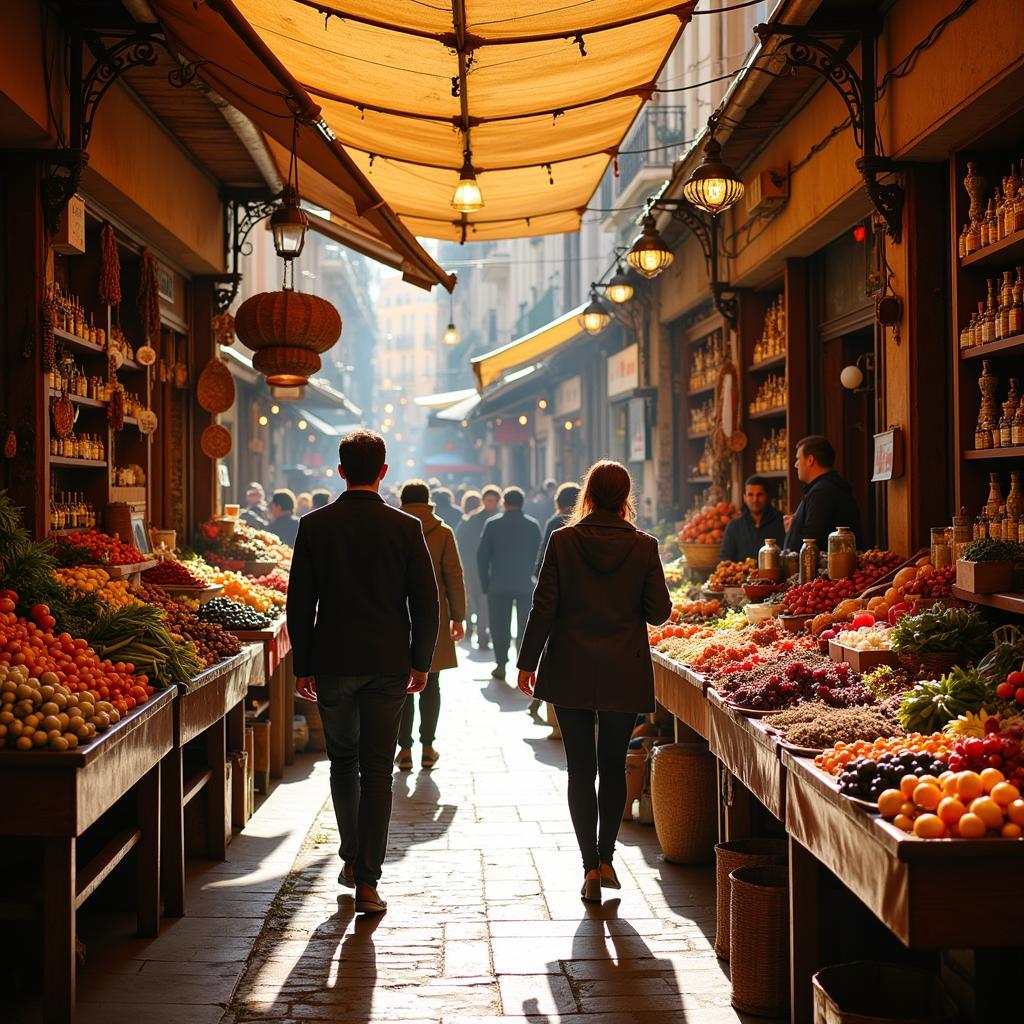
(600, 583)
(451, 593)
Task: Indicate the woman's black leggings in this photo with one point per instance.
(589, 757)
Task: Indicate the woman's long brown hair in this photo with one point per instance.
(608, 487)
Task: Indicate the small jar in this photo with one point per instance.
(809, 555)
(939, 547)
(769, 561)
(842, 553)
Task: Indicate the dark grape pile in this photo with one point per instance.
(232, 615)
(868, 779)
(832, 684)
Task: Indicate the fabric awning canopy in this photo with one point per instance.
(530, 348)
(444, 399)
(539, 95)
(460, 410)
(327, 424)
(222, 48)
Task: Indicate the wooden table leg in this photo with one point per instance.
(289, 709)
(216, 805)
(236, 726)
(59, 890)
(805, 931)
(277, 721)
(736, 807)
(172, 834)
(148, 797)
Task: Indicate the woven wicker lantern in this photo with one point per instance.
(215, 390)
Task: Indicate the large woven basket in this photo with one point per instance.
(685, 804)
(215, 390)
(875, 993)
(937, 664)
(729, 857)
(702, 557)
(759, 940)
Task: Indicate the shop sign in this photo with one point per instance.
(624, 371)
(70, 237)
(569, 396)
(637, 429)
(888, 455)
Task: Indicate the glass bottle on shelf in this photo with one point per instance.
(1005, 431)
(1015, 322)
(808, 560)
(995, 496)
(988, 323)
(1005, 302)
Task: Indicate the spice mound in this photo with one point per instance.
(817, 725)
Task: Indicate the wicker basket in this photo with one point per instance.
(937, 664)
(215, 441)
(759, 940)
(702, 557)
(874, 993)
(685, 806)
(215, 391)
(729, 857)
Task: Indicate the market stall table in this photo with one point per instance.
(57, 796)
(680, 690)
(280, 682)
(932, 894)
(211, 705)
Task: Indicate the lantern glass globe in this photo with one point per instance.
(649, 255)
(451, 335)
(467, 197)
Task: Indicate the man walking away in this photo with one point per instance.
(255, 514)
(363, 618)
(468, 536)
(445, 509)
(505, 559)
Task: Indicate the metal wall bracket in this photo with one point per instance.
(806, 48)
(242, 212)
(726, 298)
(700, 226)
(61, 179)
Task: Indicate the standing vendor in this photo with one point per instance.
(746, 534)
(828, 499)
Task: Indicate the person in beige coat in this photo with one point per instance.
(451, 593)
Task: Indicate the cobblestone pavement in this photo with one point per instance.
(485, 924)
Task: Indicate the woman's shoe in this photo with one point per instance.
(368, 901)
(404, 760)
(609, 880)
(429, 759)
(591, 891)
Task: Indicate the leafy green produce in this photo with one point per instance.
(137, 633)
(931, 704)
(941, 630)
(990, 550)
(1005, 657)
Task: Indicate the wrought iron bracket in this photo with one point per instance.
(242, 212)
(61, 178)
(726, 299)
(807, 48)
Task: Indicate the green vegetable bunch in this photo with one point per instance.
(1005, 657)
(931, 704)
(989, 550)
(941, 630)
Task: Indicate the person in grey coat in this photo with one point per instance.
(505, 560)
(586, 651)
(467, 534)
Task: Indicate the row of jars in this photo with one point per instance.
(66, 376)
(996, 429)
(1000, 316)
(702, 417)
(72, 511)
(772, 342)
(770, 395)
(773, 454)
(1003, 215)
(708, 358)
(70, 316)
(86, 446)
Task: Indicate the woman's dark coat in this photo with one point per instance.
(601, 582)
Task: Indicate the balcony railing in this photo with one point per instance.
(662, 131)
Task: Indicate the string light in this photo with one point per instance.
(264, 421)
(303, 424)
(275, 409)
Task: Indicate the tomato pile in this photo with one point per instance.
(938, 583)
(93, 546)
(172, 574)
(708, 524)
(74, 664)
(823, 594)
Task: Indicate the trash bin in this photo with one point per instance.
(865, 992)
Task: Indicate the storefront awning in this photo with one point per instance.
(540, 94)
(319, 393)
(492, 366)
(256, 77)
(460, 410)
(326, 424)
(444, 399)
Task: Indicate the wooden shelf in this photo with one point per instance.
(767, 364)
(767, 414)
(1007, 251)
(994, 348)
(697, 435)
(1004, 602)
(985, 454)
(699, 480)
(92, 403)
(74, 341)
(700, 391)
(60, 460)
(68, 531)
(772, 474)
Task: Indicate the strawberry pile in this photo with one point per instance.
(98, 549)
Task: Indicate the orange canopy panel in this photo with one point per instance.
(539, 95)
(221, 47)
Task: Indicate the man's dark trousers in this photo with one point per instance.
(361, 716)
(500, 607)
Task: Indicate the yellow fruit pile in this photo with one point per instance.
(243, 590)
(92, 580)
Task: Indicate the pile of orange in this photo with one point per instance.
(708, 524)
(956, 805)
(655, 636)
(838, 757)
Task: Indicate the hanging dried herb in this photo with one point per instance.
(49, 320)
(110, 268)
(149, 298)
(115, 408)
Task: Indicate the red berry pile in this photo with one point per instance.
(98, 548)
(1000, 750)
(934, 584)
(275, 580)
(833, 684)
(823, 594)
(1012, 688)
(172, 574)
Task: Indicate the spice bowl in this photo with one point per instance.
(758, 590)
(761, 612)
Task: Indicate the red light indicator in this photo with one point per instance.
(860, 233)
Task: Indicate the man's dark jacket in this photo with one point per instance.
(556, 522)
(601, 583)
(743, 538)
(362, 599)
(467, 535)
(828, 502)
(508, 553)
